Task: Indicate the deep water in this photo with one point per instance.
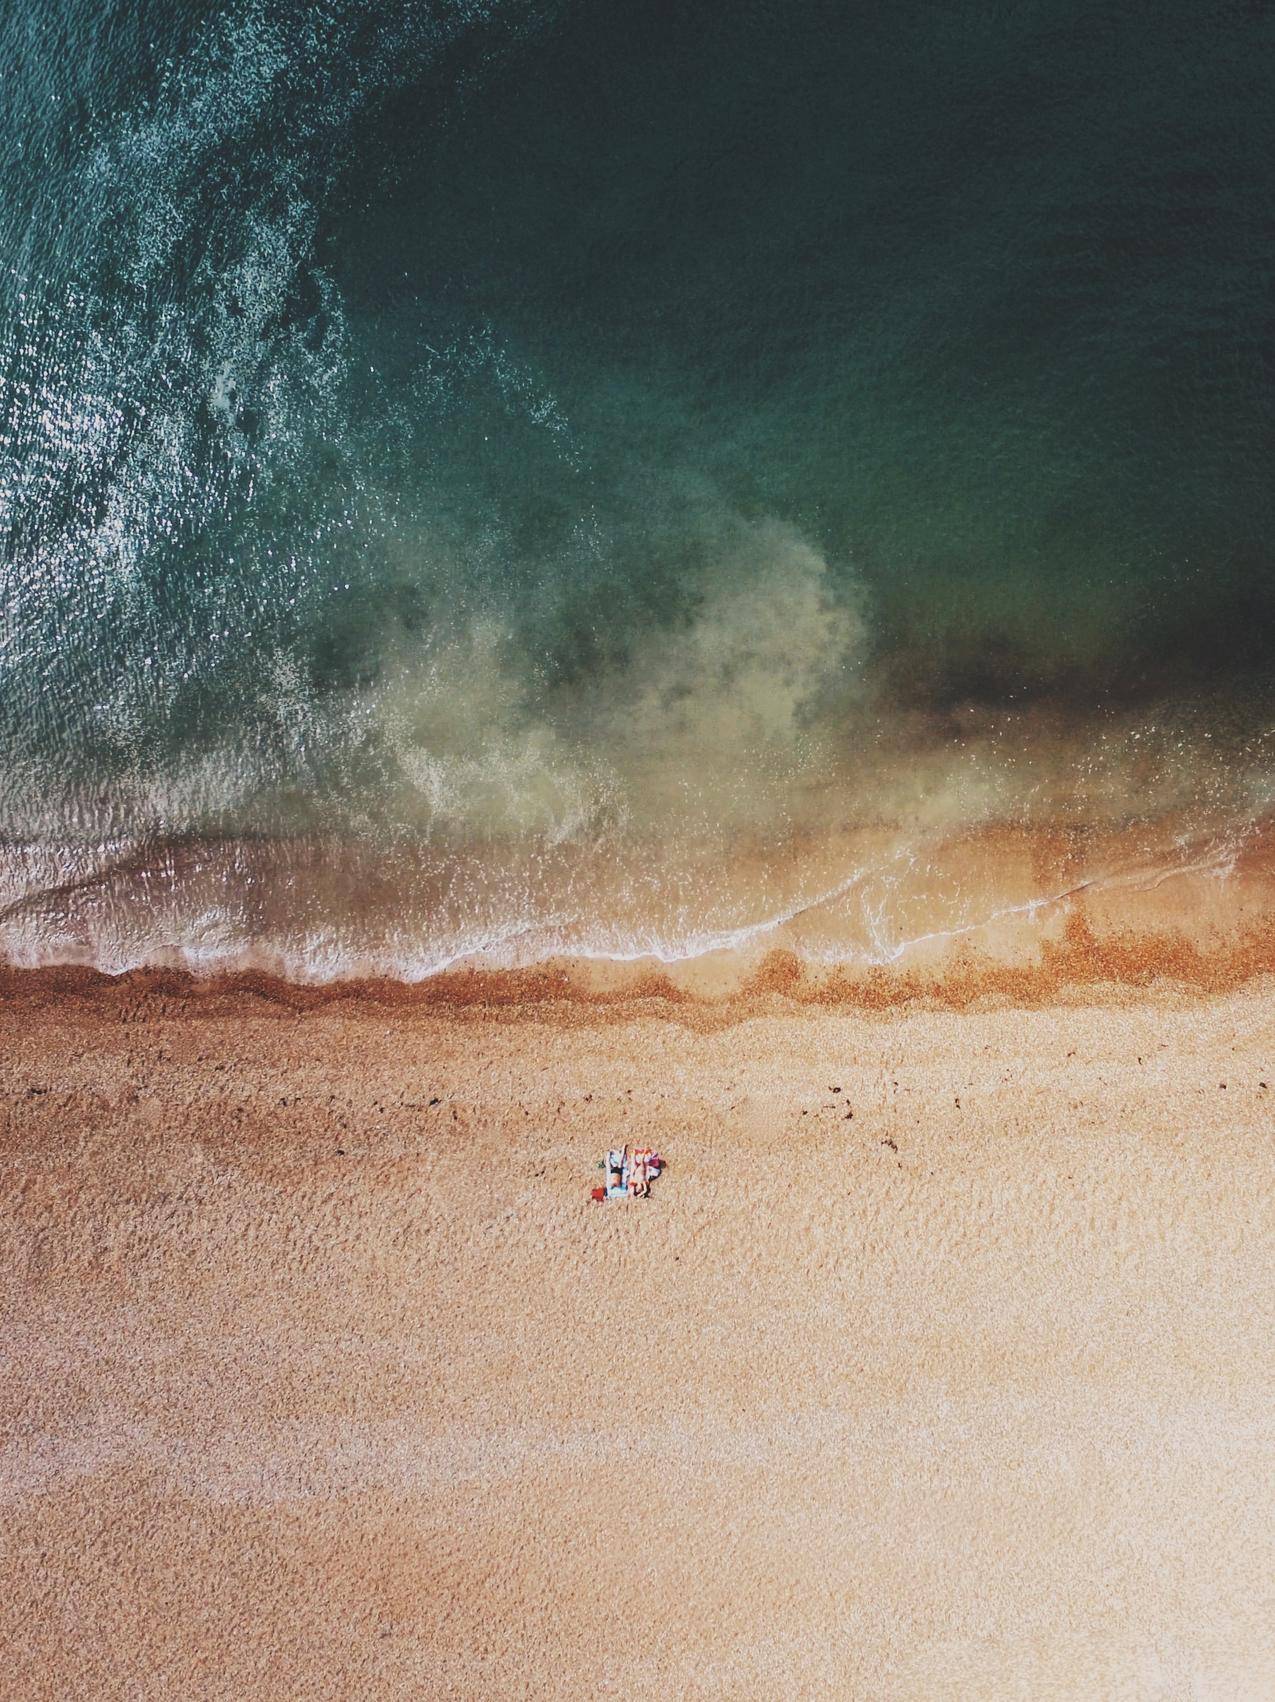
(534, 474)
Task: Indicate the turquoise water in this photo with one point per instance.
(534, 475)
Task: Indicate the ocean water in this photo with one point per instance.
(514, 476)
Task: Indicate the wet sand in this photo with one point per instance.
(940, 1363)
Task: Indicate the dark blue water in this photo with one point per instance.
(526, 475)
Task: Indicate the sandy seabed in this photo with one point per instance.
(940, 1364)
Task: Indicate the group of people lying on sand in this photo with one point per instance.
(629, 1173)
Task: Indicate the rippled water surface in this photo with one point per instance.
(531, 477)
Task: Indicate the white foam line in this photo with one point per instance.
(1097, 883)
(1219, 865)
(1046, 901)
(731, 939)
(728, 939)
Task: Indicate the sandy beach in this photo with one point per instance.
(939, 1364)
(695, 578)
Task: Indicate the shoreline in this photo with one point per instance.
(1079, 965)
(857, 918)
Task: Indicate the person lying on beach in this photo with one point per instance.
(639, 1177)
(615, 1169)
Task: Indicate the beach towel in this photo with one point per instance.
(640, 1165)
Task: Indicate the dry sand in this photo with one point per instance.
(322, 1377)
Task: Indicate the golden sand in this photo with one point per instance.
(940, 1363)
